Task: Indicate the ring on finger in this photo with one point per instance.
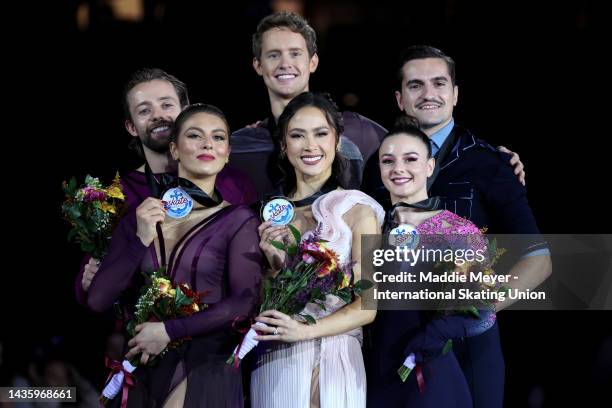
(275, 331)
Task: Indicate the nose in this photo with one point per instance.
(206, 143)
(310, 143)
(398, 168)
(285, 61)
(429, 92)
(158, 113)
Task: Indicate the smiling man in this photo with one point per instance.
(152, 99)
(477, 182)
(284, 55)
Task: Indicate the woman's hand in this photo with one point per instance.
(89, 271)
(148, 214)
(268, 232)
(281, 328)
(151, 339)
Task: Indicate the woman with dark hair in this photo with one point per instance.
(436, 379)
(319, 364)
(214, 249)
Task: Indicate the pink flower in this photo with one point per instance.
(308, 258)
(93, 194)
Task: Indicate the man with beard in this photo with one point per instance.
(152, 99)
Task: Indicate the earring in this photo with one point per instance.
(227, 160)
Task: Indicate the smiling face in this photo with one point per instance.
(202, 146)
(404, 167)
(427, 93)
(153, 105)
(310, 143)
(285, 64)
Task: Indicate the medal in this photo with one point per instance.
(278, 210)
(177, 202)
(404, 235)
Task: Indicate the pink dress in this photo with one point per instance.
(285, 372)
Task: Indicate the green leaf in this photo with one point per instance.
(473, 311)
(363, 284)
(295, 232)
(180, 299)
(403, 372)
(344, 295)
(292, 250)
(72, 234)
(279, 245)
(448, 346)
(309, 319)
(72, 185)
(317, 295)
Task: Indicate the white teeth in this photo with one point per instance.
(286, 76)
(311, 159)
(428, 107)
(160, 129)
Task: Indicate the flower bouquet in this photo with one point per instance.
(93, 211)
(478, 318)
(311, 272)
(159, 300)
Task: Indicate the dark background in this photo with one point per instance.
(531, 77)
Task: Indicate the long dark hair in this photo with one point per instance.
(325, 104)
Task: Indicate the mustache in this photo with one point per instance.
(426, 101)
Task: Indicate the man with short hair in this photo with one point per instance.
(475, 181)
(284, 55)
(152, 99)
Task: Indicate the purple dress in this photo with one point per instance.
(213, 253)
(234, 185)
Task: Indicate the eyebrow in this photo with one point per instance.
(202, 131)
(403, 154)
(163, 98)
(420, 81)
(279, 50)
(300, 130)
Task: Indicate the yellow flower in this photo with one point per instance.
(114, 191)
(346, 280)
(195, 307)
(163, 284)
(106, 207)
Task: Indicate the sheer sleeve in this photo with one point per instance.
(244, 272)
(123, 259)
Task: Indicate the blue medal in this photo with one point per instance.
(177, 202)
(404, 235)
(279, 211)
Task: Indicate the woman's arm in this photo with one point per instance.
(130, 241)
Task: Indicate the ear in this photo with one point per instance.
(174, 151)
(314, 63)
(431, 164)
(257, 66)
(456, 95)
(129, 126)
(398, 99)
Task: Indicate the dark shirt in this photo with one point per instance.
(255, 152)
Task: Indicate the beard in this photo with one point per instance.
(159, 143)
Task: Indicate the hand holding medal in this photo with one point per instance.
(276, 214)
